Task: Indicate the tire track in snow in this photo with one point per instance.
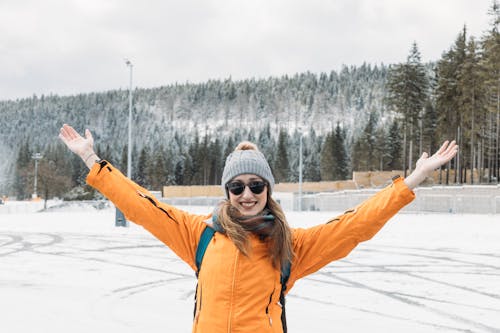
(381, 314)
(28, 245)
(408, 301)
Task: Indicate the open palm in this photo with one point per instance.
(75, 142)
(447, 151)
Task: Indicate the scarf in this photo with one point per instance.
(260, 224)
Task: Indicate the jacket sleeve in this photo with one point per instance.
(317, 246)
(179, 230)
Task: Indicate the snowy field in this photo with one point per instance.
(71, 270)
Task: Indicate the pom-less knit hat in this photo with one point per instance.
(246, 161)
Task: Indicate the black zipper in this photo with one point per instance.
(156, 205)
(198, 311)
(267, 308)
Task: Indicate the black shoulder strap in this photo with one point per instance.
(285, 274)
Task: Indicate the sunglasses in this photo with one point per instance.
(236, 188)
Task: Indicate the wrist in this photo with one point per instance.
(415, 178)
(87, 156)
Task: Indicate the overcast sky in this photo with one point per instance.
(77, 46)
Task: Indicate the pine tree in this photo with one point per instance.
(429, 124)
(471, 100)
(490, 45)
(215, 156)
(357, 157)
(230, 146)
(78, 170)
(23, 169)
(394, 147)
(312, 157)
(368, 142)
(281, 165)
(204, 162)
(196, 161)
(449, 109)
(381, 149)
(157, 175)
(341, 166)
(327, 159)
(407, 92)
(265, 143)
(124, 160)
(142, 169)
(188, 172)
(179, 172)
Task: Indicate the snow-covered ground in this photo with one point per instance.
(71, 270)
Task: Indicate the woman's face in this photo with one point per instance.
(247, 202)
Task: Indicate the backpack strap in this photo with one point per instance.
(205, 239)
(285, 274)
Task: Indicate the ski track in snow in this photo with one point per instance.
(402, 287)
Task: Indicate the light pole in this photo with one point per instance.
(129, 154)
(300, 173)
(36, 157)
(120, 220)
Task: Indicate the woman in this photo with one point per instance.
(240, 283)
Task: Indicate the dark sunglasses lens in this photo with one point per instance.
(257, 187)
(236, 188)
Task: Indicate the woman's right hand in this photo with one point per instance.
(83, 147)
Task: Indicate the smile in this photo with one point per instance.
(248, 204)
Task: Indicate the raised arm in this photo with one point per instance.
(425, 164)
(177, 229)
(317, 246)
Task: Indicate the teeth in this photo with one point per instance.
(248, 204)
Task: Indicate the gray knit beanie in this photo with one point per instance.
(246, 159)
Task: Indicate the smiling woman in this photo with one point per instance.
(251, 258)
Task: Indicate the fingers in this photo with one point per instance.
(448, 152)
(88, 135)
(68, 133)
(63, 134)
(72, 133)
(443, 147)
(447, 148)
(452, 150)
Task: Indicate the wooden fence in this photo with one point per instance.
(364, 179)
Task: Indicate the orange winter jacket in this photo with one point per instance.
(237, 293)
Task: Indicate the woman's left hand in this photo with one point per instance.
(447, 151)
(425, 164)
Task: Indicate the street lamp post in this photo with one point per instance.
(300, 173)
(120, 220)
(129, 154)
(36, 157)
